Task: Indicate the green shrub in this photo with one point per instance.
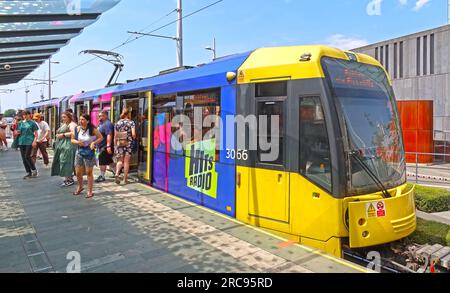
(432, 200)
(428, 232)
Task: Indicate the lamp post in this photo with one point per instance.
(180, 34)
(27, 91)
(213, 49)
(50, 82)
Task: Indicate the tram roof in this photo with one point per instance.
(259, 64)
(206, 76)
(52, 102)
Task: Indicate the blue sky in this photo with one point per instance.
(238, 25)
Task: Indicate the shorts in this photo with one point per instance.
(105, 159)
(83, 162)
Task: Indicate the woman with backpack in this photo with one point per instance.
(86, 137)
(125, 134)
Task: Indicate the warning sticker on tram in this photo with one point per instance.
(376, 209)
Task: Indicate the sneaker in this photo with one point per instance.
(34, 174)
(100, 179)
(28, 176)
(67, 183)
(70, 183)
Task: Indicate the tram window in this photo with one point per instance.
(315, 160)
(163, 113)
(208, 104)
(271, 89)
(270, 109)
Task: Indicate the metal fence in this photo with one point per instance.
(436, 172)
(441, 142)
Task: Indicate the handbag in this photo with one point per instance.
(85, 152)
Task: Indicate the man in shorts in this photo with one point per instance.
(105, 149)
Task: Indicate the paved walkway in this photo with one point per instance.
(443, 217)
(132, 229)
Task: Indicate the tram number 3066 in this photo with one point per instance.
(241, 155)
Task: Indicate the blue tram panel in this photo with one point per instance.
(195, 174)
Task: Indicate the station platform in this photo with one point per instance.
(133, 228)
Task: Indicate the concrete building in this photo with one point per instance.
(419, 66)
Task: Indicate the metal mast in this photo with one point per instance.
(179, 38)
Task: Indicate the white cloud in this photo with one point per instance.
(403, 2)
(420, 4)
(345, 43)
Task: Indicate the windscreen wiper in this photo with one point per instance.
(357, 156)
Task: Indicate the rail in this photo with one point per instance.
(437, 171)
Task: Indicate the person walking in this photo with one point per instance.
(105, 148)
(63, 159)
(3, 141)
(14, 127)
(125, 134)
(86, 138)
(28, 135)
(42, 141)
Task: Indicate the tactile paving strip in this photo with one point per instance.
(37, 257)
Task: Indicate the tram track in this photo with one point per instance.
(399, 257)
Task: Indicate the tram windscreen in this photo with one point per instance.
(367, 108)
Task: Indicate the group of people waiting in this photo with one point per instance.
(77, 147)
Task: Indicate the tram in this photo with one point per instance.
(332, 173)
(50, 109)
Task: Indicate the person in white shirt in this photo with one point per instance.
(43, 139)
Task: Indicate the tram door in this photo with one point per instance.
(52, 120)
(144, 142)
(139, 114)
(264, 192)
(82, 108)
(269, 182)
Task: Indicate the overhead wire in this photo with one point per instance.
(133, 39)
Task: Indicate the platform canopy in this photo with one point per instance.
(31, 31)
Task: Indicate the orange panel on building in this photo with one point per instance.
(417, 125)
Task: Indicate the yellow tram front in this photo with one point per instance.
(340, 178)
